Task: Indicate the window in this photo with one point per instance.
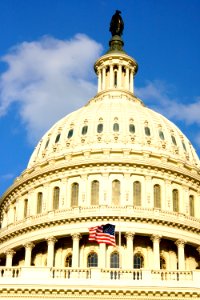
(116, 192)
(115, 127)
(147, 131)
(47, 143)
(68, 261)
(137, 193)
(184, 147)
(25, 208)
(161, 135)
(95, 192)
(100, 128)
(74, 194)
(114, 260)
(131, 128)
(138, 261)
(57, 138)
(92, 260)
(191, 204)
(175, 199)
(70, 133)
(173, 140)
(162, 263)
(39, 203)
(56, 194)
(84, 129)
(115, 78)
(157, 196)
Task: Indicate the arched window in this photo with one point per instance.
(131, 128)
(92, 260)
(70, 133)
(147, 131)
(175, 199)
(116, 192)
(191, 204)
(57, 138)
(84, 129)
(100, 128)
(56, 194)
(162, 263)
(39, 202)
(173, 140)
(138, 261)
(114, 260)
(74, 194)
(68, 261)
(137, 193)
(115, 127)
(95, 192)
(161, 135)
(25, 208)
(47, 143)
(157, 196)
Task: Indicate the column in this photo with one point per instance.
(99, 80)
(111, 76)
(28, 251)
(119, 76)
(50, 255)
(75, 254)
(129, 249)
(104, 78)
(9, 257)
(127, 78)
(181, 254)
(102, 255)
(156, 251)
(131, 80)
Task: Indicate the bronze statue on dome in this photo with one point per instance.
(116, 24)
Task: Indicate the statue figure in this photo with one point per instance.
(116, 24)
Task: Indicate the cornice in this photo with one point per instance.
(99, 292)
(153, 217)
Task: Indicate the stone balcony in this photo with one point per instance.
(97, 276)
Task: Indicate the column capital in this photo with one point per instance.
(10, 252)
(51, 240)
(76, 236)
(180, 243)
(129, 235)
(29, 245)
(155, 237)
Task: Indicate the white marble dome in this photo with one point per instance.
(113, 161)
(114, 120)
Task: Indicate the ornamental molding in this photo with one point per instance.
(6, 236)
(99, 293)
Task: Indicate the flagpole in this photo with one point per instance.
(120, 259)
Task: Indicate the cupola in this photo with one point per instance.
(116, 69)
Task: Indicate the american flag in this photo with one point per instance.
(103, 234)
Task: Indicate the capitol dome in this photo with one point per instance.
(113, 162)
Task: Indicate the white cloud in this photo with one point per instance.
(48, 78)
(158, 95)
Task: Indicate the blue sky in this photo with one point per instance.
(47, 52)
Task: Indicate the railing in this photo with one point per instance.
(12, 272)
(137, 275)
(172, 275)
(114, 274)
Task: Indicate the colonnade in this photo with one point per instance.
(115, 78)
(102, 252)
